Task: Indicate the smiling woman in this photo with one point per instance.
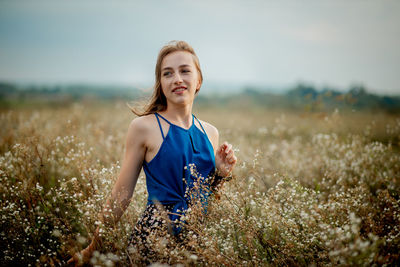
(179, 154)
(180, 80)
(188, 67)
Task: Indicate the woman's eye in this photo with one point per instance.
(167, 73)
(184, 71)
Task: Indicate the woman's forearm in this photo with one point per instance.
(217, 180)
(114, 208)
(116, 205)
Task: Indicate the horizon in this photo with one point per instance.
(219, 89)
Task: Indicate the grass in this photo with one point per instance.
(309, 188)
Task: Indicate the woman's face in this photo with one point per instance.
(179, 78)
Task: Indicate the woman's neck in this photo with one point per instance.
(179, 115)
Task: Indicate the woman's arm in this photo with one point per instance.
(225, 159)
(122, 191)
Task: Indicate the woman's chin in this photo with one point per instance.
(180, 100)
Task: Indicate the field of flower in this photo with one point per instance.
(308, 189)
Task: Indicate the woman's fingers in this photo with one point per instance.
(228, 148)
(229, 156)
(226, 157)
(225, 148)
(222, 148)
(74, 261)
(232, 159)
(81, 257)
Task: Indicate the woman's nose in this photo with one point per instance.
(178, 78)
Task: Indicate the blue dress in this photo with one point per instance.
(186, 157)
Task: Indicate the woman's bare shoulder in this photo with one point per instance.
(211, 131)
(142, 125)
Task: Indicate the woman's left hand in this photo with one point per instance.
(225, 159)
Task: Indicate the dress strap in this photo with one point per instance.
(159, 124)
(163, 118)
(200, 125)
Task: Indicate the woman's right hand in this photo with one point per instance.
(81, 257)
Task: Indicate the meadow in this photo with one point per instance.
(309, 188)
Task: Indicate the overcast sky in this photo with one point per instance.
(263, 43)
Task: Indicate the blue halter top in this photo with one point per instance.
(185, 157)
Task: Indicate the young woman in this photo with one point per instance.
(170, 144)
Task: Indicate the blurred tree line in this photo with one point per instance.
(12, 95)
(301, 97)
(307, 98)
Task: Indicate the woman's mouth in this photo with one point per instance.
(179, 90)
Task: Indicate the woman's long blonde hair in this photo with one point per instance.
(157, 101)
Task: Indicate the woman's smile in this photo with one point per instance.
(179, 90)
